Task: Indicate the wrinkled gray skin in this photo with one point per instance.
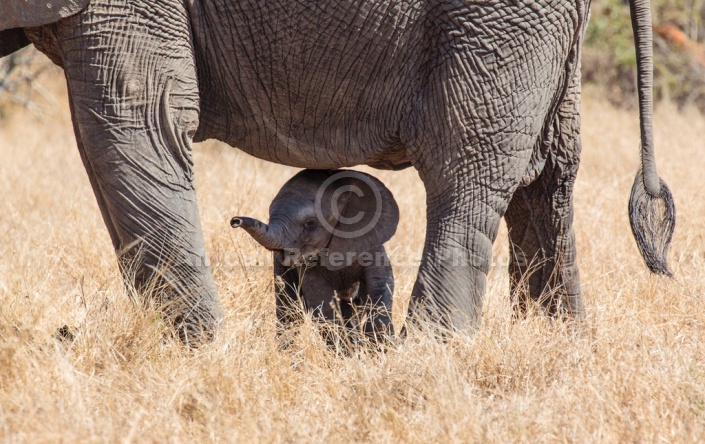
(314, 263)
(482, 98)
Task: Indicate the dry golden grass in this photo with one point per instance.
(635, 373)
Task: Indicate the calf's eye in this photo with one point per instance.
(310, 224)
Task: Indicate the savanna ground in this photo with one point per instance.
(633, 373)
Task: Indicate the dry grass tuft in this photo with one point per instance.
(80, 362)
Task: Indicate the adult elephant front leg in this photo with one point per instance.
(134, 99)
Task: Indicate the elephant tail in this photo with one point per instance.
(652, 212)
(653, 219)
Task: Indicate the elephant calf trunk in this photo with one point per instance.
(259, 231)
(236, 222)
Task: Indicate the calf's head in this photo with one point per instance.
(343, 212)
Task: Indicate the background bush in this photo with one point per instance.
(679, 60)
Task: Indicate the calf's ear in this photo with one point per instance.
(367, 214)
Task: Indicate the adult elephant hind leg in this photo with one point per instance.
(134, 100)
(543, 265)
(463, 214)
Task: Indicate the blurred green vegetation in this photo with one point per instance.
(679, 59)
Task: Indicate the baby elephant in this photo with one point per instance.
(326, 230)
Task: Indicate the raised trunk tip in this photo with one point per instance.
(260, 232)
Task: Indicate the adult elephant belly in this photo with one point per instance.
(306, 85)
(466, 91)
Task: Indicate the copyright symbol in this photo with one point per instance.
(359, 215)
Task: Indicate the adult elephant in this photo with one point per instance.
(482, 98)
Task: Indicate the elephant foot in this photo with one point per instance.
(184, 295)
